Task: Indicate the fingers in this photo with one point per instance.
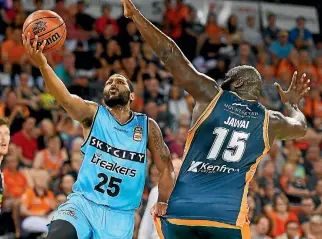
(41, 48)
(305, 92)
(24, 42)
(293, 80)
(300, 83)
(163, 211)
(159, 210)
(278, 87)
(34, 44)
(153, 211)
(28, 44)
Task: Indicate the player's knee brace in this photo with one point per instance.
(62, 229)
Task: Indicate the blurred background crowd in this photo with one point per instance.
(285, 196)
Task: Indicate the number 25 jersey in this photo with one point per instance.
(114, 166)
(222, 152)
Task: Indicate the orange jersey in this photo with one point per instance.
(15, 183)
(50, 164)
(37, 204)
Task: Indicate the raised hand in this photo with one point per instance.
(129, 8)
(297, 90)
(35, 52)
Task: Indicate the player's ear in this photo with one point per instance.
(132, 96)
(238, 83)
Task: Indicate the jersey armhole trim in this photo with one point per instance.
(92, 125)
(147, 135)
(265, 132)
(211, 105)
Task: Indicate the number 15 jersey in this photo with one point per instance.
(222, 152)
(114, 166)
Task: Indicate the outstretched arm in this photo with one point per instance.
(79, 109)
(162, 159)
(200, 86)
(294, 125)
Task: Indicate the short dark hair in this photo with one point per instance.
(300, 18)
(270, 15)
(53, 136)
(4, 121)
(104, 6)
(131, 86)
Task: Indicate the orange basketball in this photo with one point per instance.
(49, 26)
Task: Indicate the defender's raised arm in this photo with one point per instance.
(200, 86)
(294, 125)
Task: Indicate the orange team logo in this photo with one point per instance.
(137, 135)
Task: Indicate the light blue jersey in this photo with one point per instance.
(114, 167)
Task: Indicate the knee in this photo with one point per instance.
(61, 229)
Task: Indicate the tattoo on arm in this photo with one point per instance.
(160, 146)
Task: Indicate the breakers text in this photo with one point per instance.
(97, 160)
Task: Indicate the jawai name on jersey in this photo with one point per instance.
(114, 167)
(222, 152)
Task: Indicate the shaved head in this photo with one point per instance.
(244, 80)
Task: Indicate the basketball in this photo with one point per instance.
(49, 26)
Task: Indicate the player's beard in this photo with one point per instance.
(121, 99)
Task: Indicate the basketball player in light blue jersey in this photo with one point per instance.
(112, 177)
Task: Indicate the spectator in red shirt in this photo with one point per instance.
(104, 20)
(281, 215)
(177, 145)
(26, 140)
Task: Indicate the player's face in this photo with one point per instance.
(4, 139)
(116, 91)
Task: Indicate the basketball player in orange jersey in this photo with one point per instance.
(4, 145)
(231, 133)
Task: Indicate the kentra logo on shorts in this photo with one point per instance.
(201, 167)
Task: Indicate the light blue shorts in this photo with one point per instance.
(93, 221)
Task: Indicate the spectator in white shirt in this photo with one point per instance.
(147, 229)
(252, 35)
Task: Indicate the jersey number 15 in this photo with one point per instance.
(235, 148)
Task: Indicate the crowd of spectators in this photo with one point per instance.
(285, 196)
